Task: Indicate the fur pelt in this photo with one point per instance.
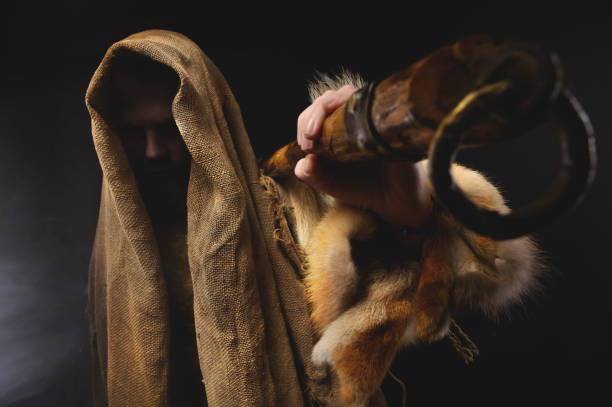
(369, 294)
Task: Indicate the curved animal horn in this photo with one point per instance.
(577, 171)
(468, 94)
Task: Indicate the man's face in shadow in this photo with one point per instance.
(151, 139)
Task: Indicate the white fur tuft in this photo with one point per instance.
(323, 82)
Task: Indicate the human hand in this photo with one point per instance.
(395, 190)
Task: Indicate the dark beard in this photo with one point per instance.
(164, 193)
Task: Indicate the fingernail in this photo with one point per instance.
(310, 127)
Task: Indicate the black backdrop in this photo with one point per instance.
(552, 349)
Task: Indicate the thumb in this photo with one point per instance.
(309, 170)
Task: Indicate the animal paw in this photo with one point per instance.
(321, 353)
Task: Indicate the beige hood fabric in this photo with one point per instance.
(253, 334)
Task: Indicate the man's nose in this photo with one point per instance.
(154, 147)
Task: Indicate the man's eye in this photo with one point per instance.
(168, 129)
(132, 130)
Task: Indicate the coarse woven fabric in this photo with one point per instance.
(254, 338)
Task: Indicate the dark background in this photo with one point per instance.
(555, 348)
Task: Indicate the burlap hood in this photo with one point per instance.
(251, 318)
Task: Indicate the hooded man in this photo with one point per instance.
(195, 296)
(250, 318)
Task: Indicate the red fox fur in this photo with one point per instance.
(369, 294)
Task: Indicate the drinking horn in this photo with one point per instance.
(477, 91)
